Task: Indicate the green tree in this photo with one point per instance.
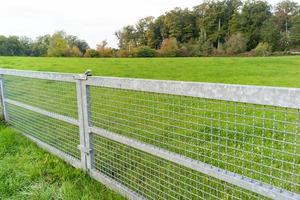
(272, 35)
(58, 45)
(154, 33)
(234, 24)
(80, 44)
(208, 22)
(205, 47)
(284, 12)
(127, 38)
(141, 30)
(295, 32)
(215, 18)
(41, 45)
(26, 46)
(11, 46)
(253, 16)
(180, 24)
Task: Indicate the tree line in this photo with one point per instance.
(57, 45)
(216, 27)
(224, 27)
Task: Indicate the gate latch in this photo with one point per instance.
(83, 76)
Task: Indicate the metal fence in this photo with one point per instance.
(149, 139)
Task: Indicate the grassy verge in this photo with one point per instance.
(27, 172)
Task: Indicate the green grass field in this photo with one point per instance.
(27, 172)
(271, 71)
(233, 136)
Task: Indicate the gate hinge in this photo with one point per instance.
(85, 150)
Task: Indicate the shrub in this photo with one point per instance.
(236, 44)
(104, 50)
(262, 49)
(218, 51)
(169, 47)
(145, 51)
(191, 48)
(91, 53)
(122, 53)
(205, 48)
(75, 52)
(183, 52)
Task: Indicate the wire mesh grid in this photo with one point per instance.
(54, 96)
(1, 101)
(256, 141)
(155, 178)
(56, 133)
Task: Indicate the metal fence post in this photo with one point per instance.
(4, 110)
(82, 91)
(86, 116)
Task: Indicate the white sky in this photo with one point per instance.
(91, 20)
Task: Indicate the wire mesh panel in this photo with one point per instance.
(255, 141)
(33, 105)
(154, 140)
(59, 134)
(1, 100)
(54, 96)
(155, 178)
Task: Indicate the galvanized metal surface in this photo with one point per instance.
(43, 112)
(85, 114)
(41, 75)
(114, 185)
(133, 116)
(275, 96)
(229, 177)
(81, 125)
(4, 110)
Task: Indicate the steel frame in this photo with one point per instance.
(274, 96)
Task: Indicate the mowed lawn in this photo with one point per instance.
(270, 71)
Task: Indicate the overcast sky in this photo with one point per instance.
(91, 20)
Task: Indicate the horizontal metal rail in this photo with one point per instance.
(114, 185)
(229, 177)
(40, 75)
(263, 95)
(69, 159)
(43, 112)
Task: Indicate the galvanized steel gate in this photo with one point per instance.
(149, 139)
